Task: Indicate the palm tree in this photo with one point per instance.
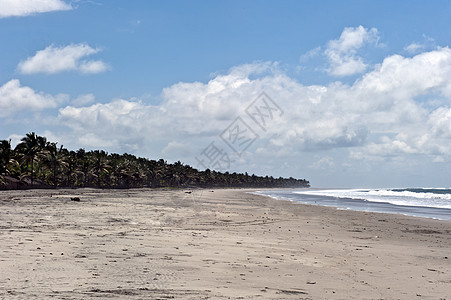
(70, 161)
(5, 156)
(6, 160)
(83, 167)
(30, 147)
(54, 160)
(98, 168)
(101, 167)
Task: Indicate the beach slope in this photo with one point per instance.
(212, 244)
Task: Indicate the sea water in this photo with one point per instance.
(421, 202)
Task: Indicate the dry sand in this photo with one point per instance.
(221, 244)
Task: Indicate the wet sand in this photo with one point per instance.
(212, 244)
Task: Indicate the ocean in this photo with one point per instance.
(419, 202)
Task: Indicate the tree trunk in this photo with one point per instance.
(32, 159)
(54, 176)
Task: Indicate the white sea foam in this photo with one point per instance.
(438, 198)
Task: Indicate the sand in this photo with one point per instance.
(212, 244)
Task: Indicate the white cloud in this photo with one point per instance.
(118, 112)
(118, 123)
(427, 43)
(95, 141)
(93, 67)
(342, 53)
(400, 77)
(53, 60)
(176, 149)
(83, 100)
(414, 48)
(310, 54)
(14, 97)
(15, 139)
(440, 122)
(17, 8)
(378, 117)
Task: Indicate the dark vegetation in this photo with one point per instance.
(37, 163)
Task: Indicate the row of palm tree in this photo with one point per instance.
(36, 162)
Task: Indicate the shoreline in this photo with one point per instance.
(360, 204)
(213, 244)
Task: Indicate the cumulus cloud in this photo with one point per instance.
(188, 109)
(18, 8)
(54, 59)
(401, 78)
(386, 113)
(116, 113)
(342, 53)
(93, 67)
(15, 97)
(120, 123)
(82, 100)
(440, 122)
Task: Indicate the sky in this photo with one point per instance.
(342, 93)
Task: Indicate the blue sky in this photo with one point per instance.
(363, 87)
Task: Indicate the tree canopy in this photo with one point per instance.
(38, 163)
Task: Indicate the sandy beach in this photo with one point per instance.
(212, 244)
